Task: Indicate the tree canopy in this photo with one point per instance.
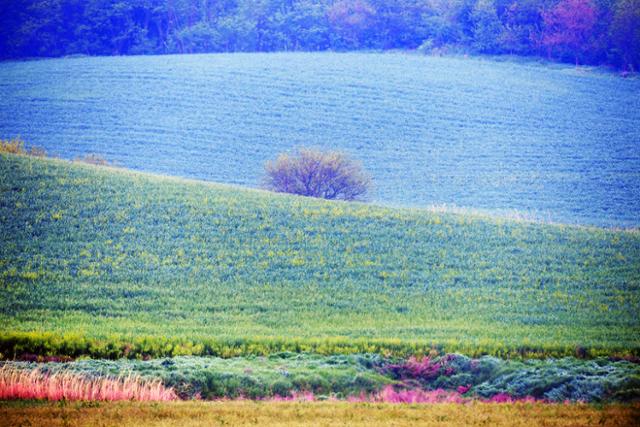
(328, 175)
(587, 31)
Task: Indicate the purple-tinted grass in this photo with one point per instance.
(389, 395)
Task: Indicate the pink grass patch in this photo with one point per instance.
(391, 395)
(35, 384)
(463, 388)
(425, 368)
(501, 398)
(305, 396)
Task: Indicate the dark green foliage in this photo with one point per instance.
(281, 374)
(252, 377)
(96, 27)
(487, 28)
(556, 380)
(597, 380)
(625, 34)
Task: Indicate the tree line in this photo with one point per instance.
(581, 31)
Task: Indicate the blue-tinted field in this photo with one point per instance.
(557, 143)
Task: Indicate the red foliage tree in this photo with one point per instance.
(569, 26)
(352, 19)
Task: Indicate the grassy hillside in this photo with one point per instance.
(552, 141)
(111, 262)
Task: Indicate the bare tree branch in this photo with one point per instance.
(328, 175)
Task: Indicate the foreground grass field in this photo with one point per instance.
(317, 414)
(112, 263)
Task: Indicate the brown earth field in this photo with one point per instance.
(244, 413)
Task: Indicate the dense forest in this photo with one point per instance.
(580, 31)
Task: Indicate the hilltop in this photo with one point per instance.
(109, 262)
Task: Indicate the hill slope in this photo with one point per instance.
(118, 261)
(550, 141)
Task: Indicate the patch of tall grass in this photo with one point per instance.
(17, 146)
(38, 384)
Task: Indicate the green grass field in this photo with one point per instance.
(109, 262)
(549, 141)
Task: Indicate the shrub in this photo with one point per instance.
(93, 159)
(17, 146)
(13, 146)
(327, 175)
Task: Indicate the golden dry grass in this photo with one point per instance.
(243, 413)
(38, 384)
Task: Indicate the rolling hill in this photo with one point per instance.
(549, 141)
(110, 262)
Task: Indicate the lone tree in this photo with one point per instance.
(328, 175)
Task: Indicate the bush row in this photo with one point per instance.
(38, 346)
(346, 376)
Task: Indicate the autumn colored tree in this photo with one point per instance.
(352, 20)
(568, 27)
(328, 175)
(593, 31)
